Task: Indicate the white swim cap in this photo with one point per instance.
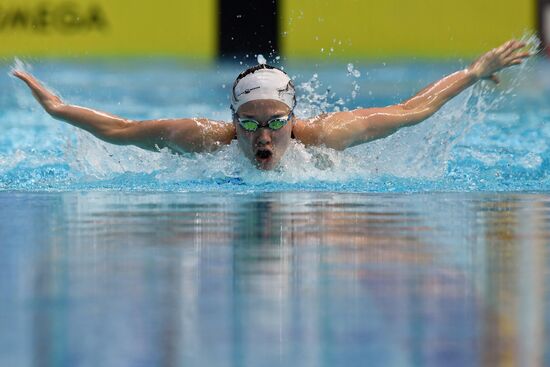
(263, 83)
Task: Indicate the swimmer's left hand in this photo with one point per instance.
(46, 98)
(497, 59)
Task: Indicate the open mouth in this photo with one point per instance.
(263, 154)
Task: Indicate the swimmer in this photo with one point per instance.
(262, 105)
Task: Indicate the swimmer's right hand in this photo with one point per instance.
(46, 98)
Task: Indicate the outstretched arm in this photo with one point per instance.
(180, 135)
(345, 129)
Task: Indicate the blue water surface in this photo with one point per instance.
(490, 138)
(109, 278)
(115, 256)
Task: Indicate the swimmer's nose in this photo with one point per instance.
(264, 137)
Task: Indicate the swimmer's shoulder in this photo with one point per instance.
(220, 131)
(328, 129)
(308, 131)
(201, 134)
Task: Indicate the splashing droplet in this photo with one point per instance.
(352, 71)
(261, 59)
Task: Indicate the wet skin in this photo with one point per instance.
(264, 147)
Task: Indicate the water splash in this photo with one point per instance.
(261, 59)
(311, 101)
(480, 140)
(20, 65)
(353, 72)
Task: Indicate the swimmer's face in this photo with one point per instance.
(264, 147)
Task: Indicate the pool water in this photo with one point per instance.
(486, 139)
(429, 247)
(104, 278)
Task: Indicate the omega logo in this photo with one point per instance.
(62, 17)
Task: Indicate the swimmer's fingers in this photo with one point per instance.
(46, 98)
(511, 47)
(502, 51)
(505, 48)
(499, 58)
(30, 80)
(22, 75)
(17, 73)
(518, 56)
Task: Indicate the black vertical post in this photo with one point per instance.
(543, 23)
(248, 28)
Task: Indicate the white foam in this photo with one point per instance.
(422, 151)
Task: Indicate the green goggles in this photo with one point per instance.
(274, 124)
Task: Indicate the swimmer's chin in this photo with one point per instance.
(271, 164)
(266, 166)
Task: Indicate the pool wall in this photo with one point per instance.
(310, 29)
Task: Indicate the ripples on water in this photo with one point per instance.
(127, 268)
(486, 139)
(309, 279)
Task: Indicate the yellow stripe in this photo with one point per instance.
(400, 28)
(108, 27)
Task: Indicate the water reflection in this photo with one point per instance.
(513, 281)
(314, 279)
